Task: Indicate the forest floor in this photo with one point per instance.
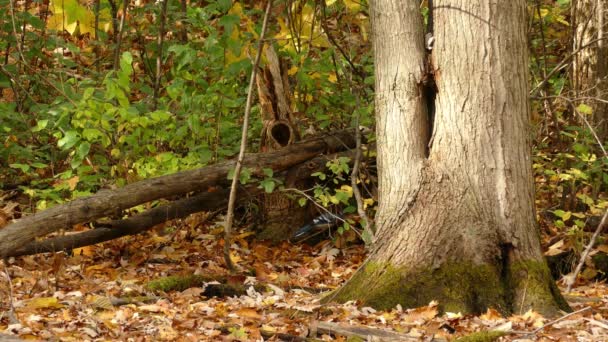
(74, 297)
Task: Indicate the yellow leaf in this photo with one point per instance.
(562, 20)
(347, 188)
(293, 70)
(44, 303)
(585, 109)
(332, 77)
(71, 27)
(235, 258)
(248, 313)
(353, 6)
(236, 9)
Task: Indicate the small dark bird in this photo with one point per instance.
(317, 225)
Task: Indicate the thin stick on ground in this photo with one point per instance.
(554, 321)
(12, 318)
(571, 279)
(239, 161)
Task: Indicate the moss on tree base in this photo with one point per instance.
(458, 287)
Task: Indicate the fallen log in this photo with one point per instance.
(181, 208)
(133, 225)
(113, 202)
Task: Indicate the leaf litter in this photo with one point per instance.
(99, 293)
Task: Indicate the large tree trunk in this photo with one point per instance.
(590, 64)
(459, 225)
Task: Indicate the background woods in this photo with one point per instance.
(124, 117)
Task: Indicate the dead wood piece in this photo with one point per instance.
(287, 337)
(212, 286)
(364, 333)
(228, 329)
(133, 300)
(113, 202)
(142, 222)
(10, 338)
(133, 225)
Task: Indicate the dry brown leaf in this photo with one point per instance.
(248, 313)
(491, 315)
(421, 315)
(151, 308)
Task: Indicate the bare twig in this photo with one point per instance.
(312, 200)
(354, 176)
(119, 34)
(549, 112)
(14, 26)
(331, 38)
(584, 119)
(96, 10)
(534, 332)
(239, 161)
(321, 208)
(562, 65)
(11, 313)
(184, 31)
(572, 278)
(159, 56)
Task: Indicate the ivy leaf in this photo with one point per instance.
(69, 140)
(245, 176)
(268, 172)
(564, 215)
(40, 125)
(321, 175)
(22, 167)
(268, 185)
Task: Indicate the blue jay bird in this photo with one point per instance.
(317, 225)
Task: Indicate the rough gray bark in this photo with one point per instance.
(590, 64)
(458, 226)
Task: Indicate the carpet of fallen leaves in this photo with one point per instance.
(83, 296)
